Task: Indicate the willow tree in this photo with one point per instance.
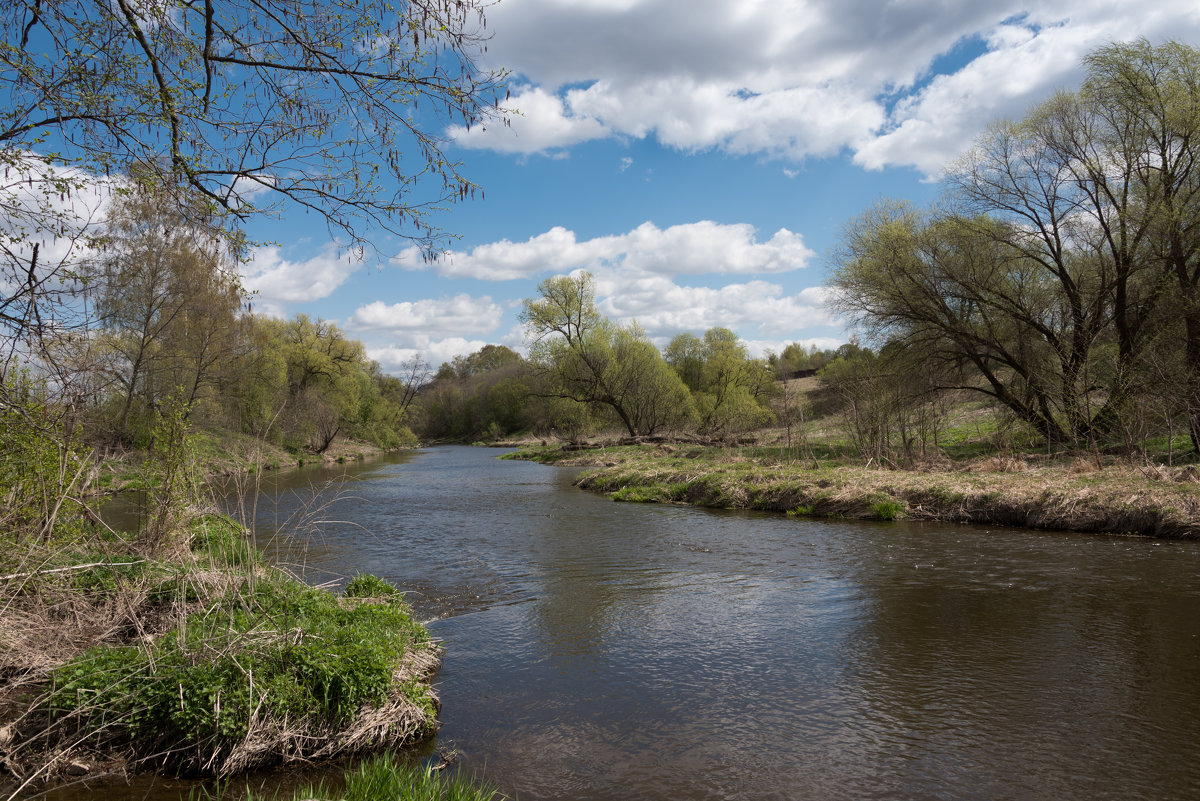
(168, 307)
(949, 290)
(1070, 249)
(1148, 101)
(590, 360)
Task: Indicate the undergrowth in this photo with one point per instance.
(212, 662)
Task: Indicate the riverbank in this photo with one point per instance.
(223, 455)
(203, 659)
(1066, 494)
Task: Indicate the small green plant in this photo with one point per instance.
(802, 510)
(365, 585)
(43, 469)
(887, 509)
(387, 776)
(647, 494)
(223, 540)
(172, 472)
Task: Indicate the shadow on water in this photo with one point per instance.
(598, 650)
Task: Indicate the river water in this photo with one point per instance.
(598, 650)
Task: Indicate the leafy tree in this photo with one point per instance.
(329, 387)
(935, 285)
(588, 359)
(484, 394)
(1089, 204)
(305, 101)
(732, 386)
(1146, 101)
(168, 305)
(795, 357)
(685, 354)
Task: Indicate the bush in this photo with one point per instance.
(42, 470)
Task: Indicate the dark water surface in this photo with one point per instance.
(597, 650)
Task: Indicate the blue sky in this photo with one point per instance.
(700, 157)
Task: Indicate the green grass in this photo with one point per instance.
(387, 777)
(250, 648)
(887, 509)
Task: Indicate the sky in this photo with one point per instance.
(699, 157)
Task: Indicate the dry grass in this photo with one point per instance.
(1080, 494)
(54, 619)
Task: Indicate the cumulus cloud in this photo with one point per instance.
(700, 248)
(392, 358)
(664, 308)
(428, 318)
(57, 209)
(894, 84)
(276, 280)
(541, 121)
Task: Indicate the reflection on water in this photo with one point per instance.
(597, 650)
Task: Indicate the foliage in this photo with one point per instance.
(172, 475)
(365, 585)
(583, 357)
(43, 468)
(246, 103)
(1066, 260)
(270, 649)
(888, 404)
(387, 777)
(887, 508)
(167, 301)
(484, 395)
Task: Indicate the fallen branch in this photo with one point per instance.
(12, 576)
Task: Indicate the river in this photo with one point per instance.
(598, 650)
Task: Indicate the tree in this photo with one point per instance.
(685, 354)
(588, 359)
(252, 105)
(168, 305)
(1071, 243)
(938, 286)
(307, 100)
(1101, 189)
(1147, 100)
(731, 387)
(482, 395)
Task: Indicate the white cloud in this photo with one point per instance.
(542, 123)
(700, 248)
(277, 280)
(796, 79)
(423, 320)
(760, 347)
(433, 352)
(58, 209)
(664, 308)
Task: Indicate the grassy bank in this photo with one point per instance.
(1068, 493)
(201, 660)
(387, 778)
(224, 454)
